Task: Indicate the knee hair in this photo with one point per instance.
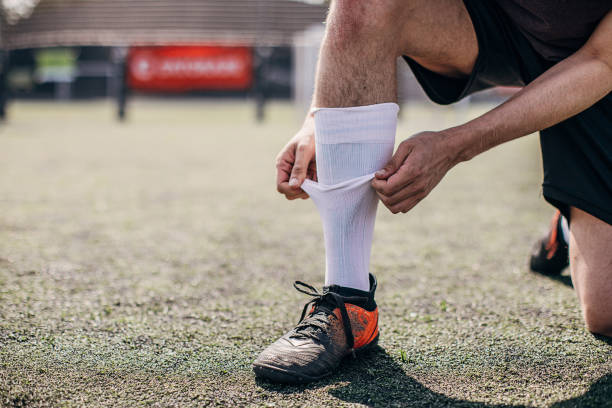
(364, 22)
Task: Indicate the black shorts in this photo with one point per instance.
(577, 153)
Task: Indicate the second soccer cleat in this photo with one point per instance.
(550, 255)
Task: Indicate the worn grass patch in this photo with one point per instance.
(147, 263)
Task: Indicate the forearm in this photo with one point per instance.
(566, 89)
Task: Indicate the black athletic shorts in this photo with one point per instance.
(577, 153)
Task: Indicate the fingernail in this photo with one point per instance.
(293, 182)
(380, 173)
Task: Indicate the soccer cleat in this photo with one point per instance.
(341, 321)
(550, 255)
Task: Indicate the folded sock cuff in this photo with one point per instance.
(358, 124)
(343, 185)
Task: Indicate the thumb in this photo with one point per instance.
(303, 155)
(393, 164)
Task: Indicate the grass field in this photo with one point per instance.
(147, 263)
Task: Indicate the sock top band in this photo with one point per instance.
(358, 124)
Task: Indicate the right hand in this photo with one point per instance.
(296, 162)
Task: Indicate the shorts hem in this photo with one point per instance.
(563, 201)
(455, 88)
(445, 90)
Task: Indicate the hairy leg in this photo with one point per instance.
(357, 67)
(357, 64)
(591, 267)
(363, 39)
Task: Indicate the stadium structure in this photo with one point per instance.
(76, 48)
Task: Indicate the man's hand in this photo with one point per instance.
(567, 88)
(415, 169)
(296, 162)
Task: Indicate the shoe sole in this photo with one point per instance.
(281, 375)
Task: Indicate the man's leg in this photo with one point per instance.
(363, 39)
(591, 265)
(357, 68)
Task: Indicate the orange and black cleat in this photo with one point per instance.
(550, 255)
(341, 321)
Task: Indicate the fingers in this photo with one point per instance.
(291, 193)
(294, 163)
(395, 183)
(406, 205)
(396, 174)
(303, 155)
(395, 162)
(283, 170)
(415, 169)
(405, 193)
(404, 200)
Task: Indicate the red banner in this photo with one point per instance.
(189, 67)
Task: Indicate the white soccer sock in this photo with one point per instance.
(351, 145)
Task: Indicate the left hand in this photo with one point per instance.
(415, 169)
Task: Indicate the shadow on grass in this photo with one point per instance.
(599, 394)
(378, 380)
(607, 340)
(564, 279)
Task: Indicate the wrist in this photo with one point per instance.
(466, 141)
(456, 142)
(309, 120)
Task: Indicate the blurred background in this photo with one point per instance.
(259, 50)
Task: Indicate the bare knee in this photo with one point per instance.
(591, 263)
(598, 320)
(437, 34)
(596, 308)
(365, 22)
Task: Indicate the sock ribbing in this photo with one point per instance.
(358, 124)
(351, 144)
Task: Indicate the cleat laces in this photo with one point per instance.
(323, 304)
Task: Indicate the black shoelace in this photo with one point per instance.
(320, 301)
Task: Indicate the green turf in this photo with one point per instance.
(147, 263)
